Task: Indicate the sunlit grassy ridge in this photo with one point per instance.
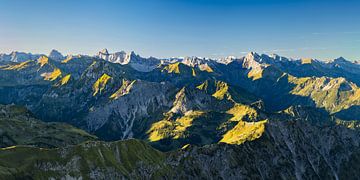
(222, 90)
(42, 61)
(255, 74)
(354, 124)
(244, 131)
(217, 89)
(206, 68)
(204, 86)
(67, 59)
(333, 94)
(51, 76)
(100, 84)
(174, 129)
(201, 127)
(306, 61)
(193, 72)
(179, 68)
(18, 66)
(64, 80)
(243, 112)
(124, 89)
(173, 68)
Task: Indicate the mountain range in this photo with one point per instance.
(123, 116)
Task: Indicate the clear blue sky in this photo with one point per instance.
(166, 28)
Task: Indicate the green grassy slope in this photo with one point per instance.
(19, 127)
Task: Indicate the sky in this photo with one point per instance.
(322, 29)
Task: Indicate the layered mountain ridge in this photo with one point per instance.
(233, 116)
(150, 63)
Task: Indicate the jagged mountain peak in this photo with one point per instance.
(189, 60)
(133, 55)
(120, 57)
(188, 99)
(341, 60)
(16, 56)
(134, 60)
(264, 58)
(56, 55)
(104, 51)
(227, 60)
(252, 55)
(54, 51)
(276, 57)
(252, 61)
(202, 63)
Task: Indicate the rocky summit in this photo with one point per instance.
(123, 116)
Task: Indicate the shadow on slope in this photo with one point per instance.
(349, 114)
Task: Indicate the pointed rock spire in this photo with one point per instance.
(56, 55)
(253, 56)
(340, 59)
(104, 52)
(252, 60)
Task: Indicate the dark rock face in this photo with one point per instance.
(56, 55)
